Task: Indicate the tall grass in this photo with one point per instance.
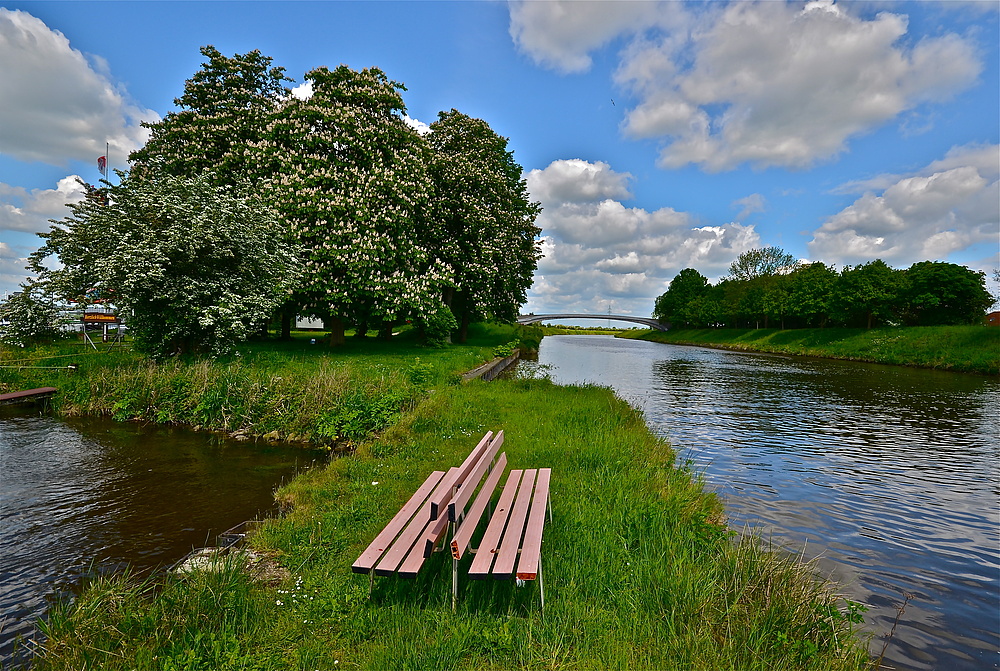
(640, 569)
(968, 349)
(294, 390)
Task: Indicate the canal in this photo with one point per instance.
(87, 496)
(888, 477)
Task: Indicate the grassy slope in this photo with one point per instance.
(640, 572)
(640, 569)
(970, 349)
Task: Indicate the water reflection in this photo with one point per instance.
(888, 475)
(91, 495)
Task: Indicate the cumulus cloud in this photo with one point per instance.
(766, 84)
(577, 181)
(30, 210)
(57, 105)
(750, 205)
(560, 33)
(949, 206)
(599, 253)
(12, 268)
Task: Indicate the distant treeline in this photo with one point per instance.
(767, 288)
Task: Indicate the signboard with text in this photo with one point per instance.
(100, 318)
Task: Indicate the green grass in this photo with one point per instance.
(968, 349)
(290, 390)
(640, 570)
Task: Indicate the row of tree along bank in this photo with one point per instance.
(968, 349)
(251, 200)
(767, 287)
(640, 569)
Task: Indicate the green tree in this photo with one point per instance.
(673, 306)
(191, 266)
(351, 183)
(484, 226)
(223, 113)
(867, 294)
(755, 291)
(761, 262)
(810, 293)
(28, 316)
(939, 293)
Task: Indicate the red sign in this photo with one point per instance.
(100, 318)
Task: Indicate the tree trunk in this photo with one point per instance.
(870, 315)
(361, 330)
(336, 327)
(385, 333)
(463, 328)
(286, 325)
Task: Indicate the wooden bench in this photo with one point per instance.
(456, 501)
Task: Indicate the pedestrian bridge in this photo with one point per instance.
(646, 321)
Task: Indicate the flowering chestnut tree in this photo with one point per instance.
(223, 112)
(191, 266)
(484, 223)
(350, 180)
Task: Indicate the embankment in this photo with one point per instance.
(965, 349)
(640, 570)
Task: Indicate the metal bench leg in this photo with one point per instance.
(454, 585)
(541, 586)
(371, 582)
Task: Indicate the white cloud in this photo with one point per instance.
(30, 210)
(949, 206)
(750, 205)
(577, 181)
(599, 253)
(417, 125)
(559, 33)
(12, 268)
(772, 85)
(55, 104)
(303, 91)
(764, 83)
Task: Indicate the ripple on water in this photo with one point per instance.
(888, 475)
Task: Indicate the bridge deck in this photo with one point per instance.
(646, 321)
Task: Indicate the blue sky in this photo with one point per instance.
(657, 135)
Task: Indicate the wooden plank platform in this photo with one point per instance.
(27, 395)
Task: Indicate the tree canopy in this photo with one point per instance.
(223, 113)
(190, 265)
(350, 181)
(483, 224)
(765, 286)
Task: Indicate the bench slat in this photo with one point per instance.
(483, 560)
(468, 527)
(440, 499)
(469, 484)
(503, 567)
(531, 548)
(371, 554)
(429, 536)
(394, 556)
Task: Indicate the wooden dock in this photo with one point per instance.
(27, 396)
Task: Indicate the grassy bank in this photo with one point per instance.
(294, 390)
(967, 349)
(640, 570)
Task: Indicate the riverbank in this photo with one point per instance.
(640, 569)
(964, 349)
(298, 391)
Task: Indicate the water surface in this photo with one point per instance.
(889, 475)
(87, 496)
